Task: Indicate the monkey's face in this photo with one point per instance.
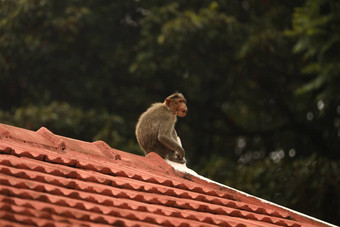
(179, 107)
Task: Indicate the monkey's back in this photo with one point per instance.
(147, 128)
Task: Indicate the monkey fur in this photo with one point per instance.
(155, 130)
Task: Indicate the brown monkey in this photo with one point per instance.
(155, 130)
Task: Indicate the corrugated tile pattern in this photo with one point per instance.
(47, 184)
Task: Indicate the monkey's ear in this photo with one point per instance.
(167, 102)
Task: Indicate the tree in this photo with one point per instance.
(261, 79)
(318, 40)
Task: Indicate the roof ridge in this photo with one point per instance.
(44, 138)
(59, 143)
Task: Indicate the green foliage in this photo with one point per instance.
(261, 79)
(315, 26)
(72, 122)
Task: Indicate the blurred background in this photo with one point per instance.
(261, 77)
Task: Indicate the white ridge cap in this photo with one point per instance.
(184, 169)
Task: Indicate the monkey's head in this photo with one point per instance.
(177, 104)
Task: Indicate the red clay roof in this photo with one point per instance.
(50, 180)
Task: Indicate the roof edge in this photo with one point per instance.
(296, 215)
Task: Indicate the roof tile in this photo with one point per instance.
(49, 180)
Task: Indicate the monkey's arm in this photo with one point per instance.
(166, 138)
(170, 143)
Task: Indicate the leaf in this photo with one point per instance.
(312, 68)
(312, 85)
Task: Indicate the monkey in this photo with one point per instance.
(155, 129)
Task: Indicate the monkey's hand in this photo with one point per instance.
(182, 161)
(177, 157)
